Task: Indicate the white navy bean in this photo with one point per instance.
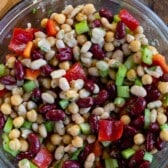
(58, 73)
(37, 64)
(138, 91)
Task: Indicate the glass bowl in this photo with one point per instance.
(33, 11)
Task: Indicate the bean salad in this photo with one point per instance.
(84, 90)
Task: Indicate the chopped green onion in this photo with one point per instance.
(111, 163)
(148, 156)
(63, 104)
(121, 73)
(76, 153)
(116, 18)
(127, 153)
(96, 15)
(119, 101)
(29, 86)
(123, 91)
(85, 128)
(82, 27)
(49, 126)
(147, 56)
(138, 82)
(27, 124)
(6, 147)
(129, 63)
(106, 143)
(164, 127)
(58, 164)
(2, 70)
(147, 118)
(8, 125)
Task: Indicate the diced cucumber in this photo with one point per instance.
(29, 86)
(138, 82)
(27, 124)
(148, 156)
(147, 56)
(119, 101)
(129, 63)
(49, 126)
(2, 70)
(127, 153)
(104, 73)
(85, 128)
(123, 91)
(63, 104)
(121, 73)
(82, 27)
(106, 143)
(24, 163)
(116, 18)
(6, 147)
(147, 119)
(8, 125)
(111, 163)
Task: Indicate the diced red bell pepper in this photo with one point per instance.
(128, 19)
(75, 72)
(110, 130)
(97, 149)
(51, 28)
(19, 39)
(43, 158)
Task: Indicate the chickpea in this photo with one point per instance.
(81, 39)
(163, 87)
(88, 9)
(125, 119)
(6, 109)
(15, 144)
(66, 28)
(50, 147)
(135, 45)
(24, 145)
(77, 142)
(80, 17)
(74, 130)
(64, 65)
(14, 133)
(108, 47)
(73, 108)
(16, 100)
(44, 22)
(55, 139)
(59, 18)
(164, 135)
(131, 75)
(146, 79)
(161, 118)
(139, 139)
(67, 139)
(31, 115)
(18, 122)
(10, 61)
(109, 37)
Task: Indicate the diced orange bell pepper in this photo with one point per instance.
(31, 74)
(51, 28)
(160, 60)
(28, 49)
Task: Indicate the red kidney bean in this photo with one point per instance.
(160, 144)
(138, 122)
(96, 23)
(8, 80)
(65, 54)
(104, 12)
(36, 54)
(47, 107)
(47, 69)
(101, 98)
(2, 120)
(136, 159)
(19, 70)
(36, 95)
(129, 131)
(89, 85)
(94, 123)
(122, 163)
(120, 31)
(34, 143)
(85, 102)
(135, 106)
(86, 151)
(25, 155)
(97, 51)
(164, 78)
(154, 127)
(111, 88)
(145, 164)
(55, 115)
(70, 164)
(126, 142)
(149, 143)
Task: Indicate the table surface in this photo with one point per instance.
(159, 7)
